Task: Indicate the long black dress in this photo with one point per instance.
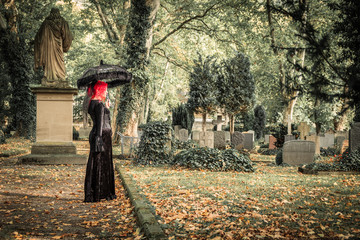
(99, 179)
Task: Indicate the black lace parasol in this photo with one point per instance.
(113, 75)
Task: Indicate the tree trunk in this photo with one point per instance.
(140, 26)
(204, 122)
(232, 124)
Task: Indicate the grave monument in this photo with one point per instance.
(54, 97)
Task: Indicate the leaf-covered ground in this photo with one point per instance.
(274, 202)
(46, 202)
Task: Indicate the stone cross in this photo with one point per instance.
(219, 122)
(289, 125)
(304, 130)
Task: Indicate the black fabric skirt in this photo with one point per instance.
(99, 179)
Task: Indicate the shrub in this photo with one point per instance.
(214, 159)
(153, 148)
(349, 161)
(279, 158)
(181, 115)
(177, 144)
(75, 134)
(331, 151)
(271, 151)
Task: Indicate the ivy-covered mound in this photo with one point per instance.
(214, 159)
(349, 161)
(153, 147)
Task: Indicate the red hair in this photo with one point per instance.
(99, 90)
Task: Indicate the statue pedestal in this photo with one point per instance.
(54, 130)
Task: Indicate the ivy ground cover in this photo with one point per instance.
(273, 202)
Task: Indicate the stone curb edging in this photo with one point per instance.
(144, 215)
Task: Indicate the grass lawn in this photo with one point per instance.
(273, 202)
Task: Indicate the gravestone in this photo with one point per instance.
(344, 134)
(354, 140)
(304, 130)
(84, 133)
(267, 138)
(327, 140)
(248, 140)
(176, 131)
(289, 138)
(237, 139)
(272, 141)
(316, 139)
(183, 135)
(204, 139)
(253, 134)
(219, 123)
(298, 152)
(221, 139)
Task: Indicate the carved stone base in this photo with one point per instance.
(53, 153)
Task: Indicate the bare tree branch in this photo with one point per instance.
(182, 24)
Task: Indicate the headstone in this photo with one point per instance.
(267, 136)
(237, 139)
(315, 139)
(204, 139)
(253, 133)
(339, 141)
(183, 135)
(221, 139)
(272, 141)
(354, 140)
(304, 130)
(248, 140)
(289, 138)
(327, 140)
(298, 152)
(176, 131)
(84, 133)
(344, 134)
(219, 122)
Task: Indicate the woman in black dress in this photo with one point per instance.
(99, 179)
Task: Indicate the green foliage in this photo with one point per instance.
(279, 133)
(2, 137)
(214, 159)
(181, 115)
(202, 86)
(259, 121)
(330, 151)
(137, 33)
(75, 134)
(177, 144)
(235, 84)
(279, 158)
(349, 161)
(247, 119)
(153, 147)
(274, 151)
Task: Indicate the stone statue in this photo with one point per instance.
(51, 41)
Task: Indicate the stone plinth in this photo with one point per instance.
(298, 152)
(54, 128)
(354, 136)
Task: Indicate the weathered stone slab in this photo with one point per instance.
(176, 131)
(248, 140)
(267, 136)
(204, 139)
(327, 140)
(354, 140)
(237, 140)
(183, 135)
(298, 152)
(221, 139)
(289, 138)
(342, 134)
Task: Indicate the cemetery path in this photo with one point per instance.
(46, 202)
